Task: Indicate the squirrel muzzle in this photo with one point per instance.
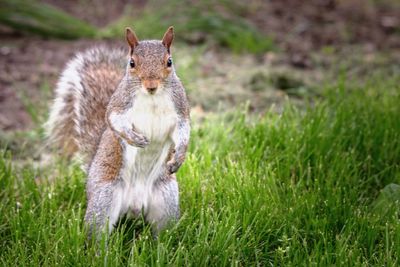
(151, 85)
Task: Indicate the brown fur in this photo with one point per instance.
(110, 155)
(99, 83)
(69, 144)
(150, 84)
(77, 117)
(168, 38)
(61, 128)
(131, 38)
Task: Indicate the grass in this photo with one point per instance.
(32, 17)
(194, 23)
(199, 23)
(314, 187)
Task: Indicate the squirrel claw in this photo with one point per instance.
(172, 167)
(136, 139)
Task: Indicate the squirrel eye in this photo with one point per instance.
(132, 63)
(169, 62)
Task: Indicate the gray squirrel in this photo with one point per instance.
(127, 117)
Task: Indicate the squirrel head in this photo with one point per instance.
(150, 62)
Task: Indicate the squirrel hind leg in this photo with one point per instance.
(97, 217)
(163, 208)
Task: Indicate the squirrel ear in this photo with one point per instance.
(131, 38)
(168, 37)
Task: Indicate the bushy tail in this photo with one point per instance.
(77, 115)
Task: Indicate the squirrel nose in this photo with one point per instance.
(151, 89)
(151, 85)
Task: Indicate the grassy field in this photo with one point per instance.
(313, 187)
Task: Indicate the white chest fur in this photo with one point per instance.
(155, 117)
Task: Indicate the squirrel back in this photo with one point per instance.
(77, 115)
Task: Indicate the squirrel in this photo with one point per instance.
(127, 117)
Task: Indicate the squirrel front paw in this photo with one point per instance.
(173, 166)
(136, 139)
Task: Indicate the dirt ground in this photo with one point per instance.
(305, 35)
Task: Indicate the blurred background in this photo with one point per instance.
(258, 52)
